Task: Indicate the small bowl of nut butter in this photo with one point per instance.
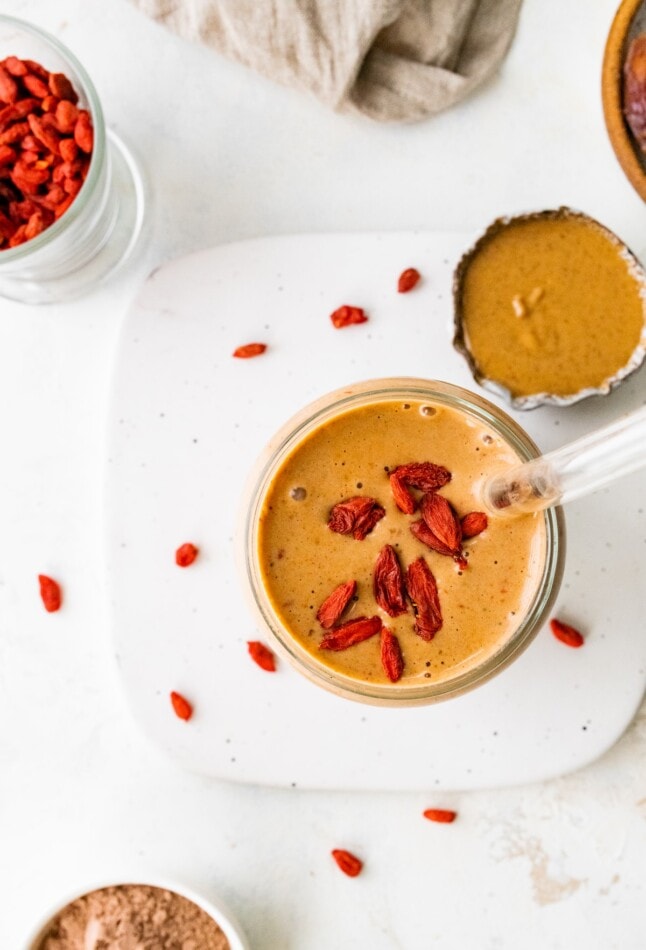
(549, 308)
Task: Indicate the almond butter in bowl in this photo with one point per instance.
(550, 307)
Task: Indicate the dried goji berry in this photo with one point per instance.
(186, 554)
(68, 149)
(262, 655)
(403, 498)
(72, 186)
(19, 110)
(15, 66)
(83, 133)
(391, 655)
(36, 108)
(181, 706)
(334, 605)
(388, 582)
(66, 116)
(350, 633)
(61, 208)
(35, 86)
(345, 316)
(15, 132)
(36, 69)
(424, 534)
(566, 634)
(443, 815)
(7, 227)
(348, 862)
(49, 104)
(50, 593)
(473, 524)
(442, 521)
(407, 280)
(8, 86)
(356, 516)
(249, 350)
(426, 476)
(44, 134)
(423, 592)
(61, 87)
(35, 225)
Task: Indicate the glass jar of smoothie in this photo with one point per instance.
(98, 231)
(367, 554)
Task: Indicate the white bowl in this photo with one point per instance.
(213, 907)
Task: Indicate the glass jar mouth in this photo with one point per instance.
(309, 419)
(86, 90)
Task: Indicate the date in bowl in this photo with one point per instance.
(623, 90)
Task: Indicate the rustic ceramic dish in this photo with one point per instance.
(460, 336)
(629, 21)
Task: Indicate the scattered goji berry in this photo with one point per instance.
(335, 603)
(473, 524)
(262, 655)
(347, 862)
(422, 590)
(443, 815)
(356, 516)
(345, 316)
(50, 593)
(181, 706)
(426, 476)
(441, 519)
(350, 633)
(566, 634)
(388, 582)
(186, 554)
(249, 349)
(407, 280)
(391, 655)
(424, 534)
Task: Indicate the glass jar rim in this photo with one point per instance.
(75, 210)
(310, 418)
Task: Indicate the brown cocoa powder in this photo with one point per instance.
(133, 917)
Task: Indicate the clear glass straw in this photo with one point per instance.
(574, 470)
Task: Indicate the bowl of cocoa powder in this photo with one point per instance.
(145, 916)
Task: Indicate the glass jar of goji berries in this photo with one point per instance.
(368, 559)
(71, 194)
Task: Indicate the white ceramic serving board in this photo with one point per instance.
(186, 423)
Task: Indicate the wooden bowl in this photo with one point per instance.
(629, 20)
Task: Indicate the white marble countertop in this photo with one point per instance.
(83, 797)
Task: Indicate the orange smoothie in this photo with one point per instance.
(348, 514)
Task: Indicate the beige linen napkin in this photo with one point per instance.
(392, 60)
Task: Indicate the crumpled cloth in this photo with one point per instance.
(392, 60)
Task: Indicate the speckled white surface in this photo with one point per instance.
(547, 866)
(186, 423)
